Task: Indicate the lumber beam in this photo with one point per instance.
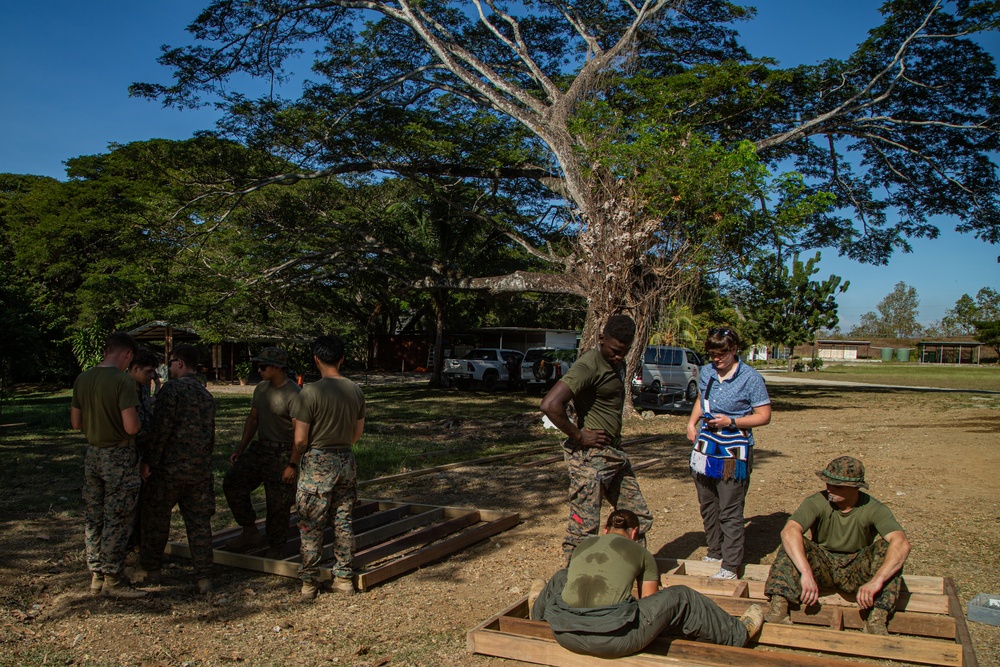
(418, 538)
(962, 635)
(893, 647)
(451, 466)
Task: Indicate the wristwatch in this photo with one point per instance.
(732, 422)
(293, 466)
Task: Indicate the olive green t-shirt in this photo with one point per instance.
(101, 393)
(598, 393)
(331, 407)
(274, 411)
(603, 569)
(845, 532)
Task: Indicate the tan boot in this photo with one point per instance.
(118, 586)
(205, 586)
(96, 583)
(752, 619)
(344, 585)
(778, 611)
(250, 538)
(537, 585)
(876, 623)
(310, 589)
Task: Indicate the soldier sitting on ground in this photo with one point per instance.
(266, 458)
(590, 607)
(844, 553)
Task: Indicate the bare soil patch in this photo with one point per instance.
(934, 458)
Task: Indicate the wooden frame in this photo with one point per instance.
(390, 539)
(921, 637)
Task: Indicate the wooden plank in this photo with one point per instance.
(837, 622)
(646, 464)
(542, 462)
(962, 635)
(893, 647)
(742, 590)
(420, 537)
(383, 533)
(663, 651)
(271, 566)
(380, 518)
(451, 466)
(436, 551)
(904, 623)
(709, 586)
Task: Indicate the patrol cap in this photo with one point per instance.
(272, 356)
(844, 471)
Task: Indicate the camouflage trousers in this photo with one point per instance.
(197, 504)
(110, 490)
(327, 491)
(261, 463)
(833, 571)
(595, 474)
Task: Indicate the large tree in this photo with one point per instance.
(916, 103)
(896, 316)
(960, 320)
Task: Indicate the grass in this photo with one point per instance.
(408, 427)
(980, 378)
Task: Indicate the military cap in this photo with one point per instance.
(844, 471)
(272, 356)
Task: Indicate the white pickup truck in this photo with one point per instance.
(485, 366)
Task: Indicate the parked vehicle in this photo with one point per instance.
(667, 368)
(487, 367)
(543, 366)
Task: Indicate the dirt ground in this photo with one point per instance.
(932, 457)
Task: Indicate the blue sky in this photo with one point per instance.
(66, 68)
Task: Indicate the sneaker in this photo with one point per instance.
(343, 585)
(536, 589)
(752, 619)
(250, 538)
(709, 559)
(876, 622)
(778, 612)
(723, 573)
(204, 586)
(310, 589)
(96, 583)
(118, 586)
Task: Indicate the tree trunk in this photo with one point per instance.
(440, 300)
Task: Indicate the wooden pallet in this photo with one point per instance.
(390, 539)
(938, 637)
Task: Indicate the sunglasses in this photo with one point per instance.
(720, 331)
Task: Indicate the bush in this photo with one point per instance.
(816, 364)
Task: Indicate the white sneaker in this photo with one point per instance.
(723, 573)
(709, 559)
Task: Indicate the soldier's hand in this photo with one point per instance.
(288, 476)
(810, 590)
(866, 594)
(234, 457)
(592, 438)
(145, 471)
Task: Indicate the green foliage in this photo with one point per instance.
(960, 320)
(896, 318)
(782, 305)
(88, 345)
(988, 333)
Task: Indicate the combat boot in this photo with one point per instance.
(250, 538)
(343, 585)
(118, 586)
(96, 583)
(778, 612)
(876, 623)
(537, 585)
(752, 619)
(310, 589)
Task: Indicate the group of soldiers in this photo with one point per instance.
(298, 444)
(148, 453)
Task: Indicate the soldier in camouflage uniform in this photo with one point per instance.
(598, 467)
(329, 418)
(177, 468)
(844, 553)
(143, 371)
(104, 408)
(264, 460)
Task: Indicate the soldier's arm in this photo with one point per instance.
(554, 407)
(301, 444)
(794, 542)
(648, 588)
(359, 428)
(130, 421)
(163, 417)
(895, 556)
(76, 419)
